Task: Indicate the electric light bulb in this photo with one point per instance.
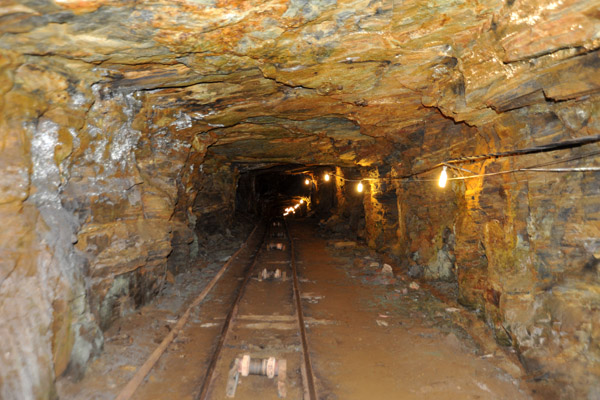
(301, 201)
(326, 177)
(307, 181)
(359, 187)
(297, 205)
(443, 178)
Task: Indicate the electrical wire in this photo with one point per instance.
(564, 145)
(357, 180)
(532, 168)
(584, 169)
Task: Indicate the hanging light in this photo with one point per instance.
(301, 201)
(359, 187)
(326, 177)
(443, 178)
(307, 181)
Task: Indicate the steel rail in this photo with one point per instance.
(209, 375)
(310, 380)
(128, 391)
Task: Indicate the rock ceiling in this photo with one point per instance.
(312, 81)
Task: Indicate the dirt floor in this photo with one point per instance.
(130, 341)
(388, 340)
(372, 335)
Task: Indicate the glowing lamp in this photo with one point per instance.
(307, 181)
(301, 201)
(443, 178)
(326, 177)
(359, 187)
(297, 205)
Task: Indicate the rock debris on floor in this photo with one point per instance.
(132, 339)
(373, 334)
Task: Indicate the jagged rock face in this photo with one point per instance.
(121, 125)
(522, 246)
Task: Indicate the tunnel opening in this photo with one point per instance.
(267, 192)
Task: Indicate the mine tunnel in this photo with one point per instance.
(302, 199)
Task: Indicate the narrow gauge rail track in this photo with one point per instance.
(273, 347)
(262, 341)
(265, 326)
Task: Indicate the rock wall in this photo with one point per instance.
(48, 326)
(125, 199)
(100, 195)
(324, 197)
(349, 213)
(381, 210)
(522, 246)
(538, 236)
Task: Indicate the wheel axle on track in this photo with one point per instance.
(273, 275)
(269, 367)
(276, 246)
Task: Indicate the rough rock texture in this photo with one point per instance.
(522, 246)
(90, 196)
(124, 126)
